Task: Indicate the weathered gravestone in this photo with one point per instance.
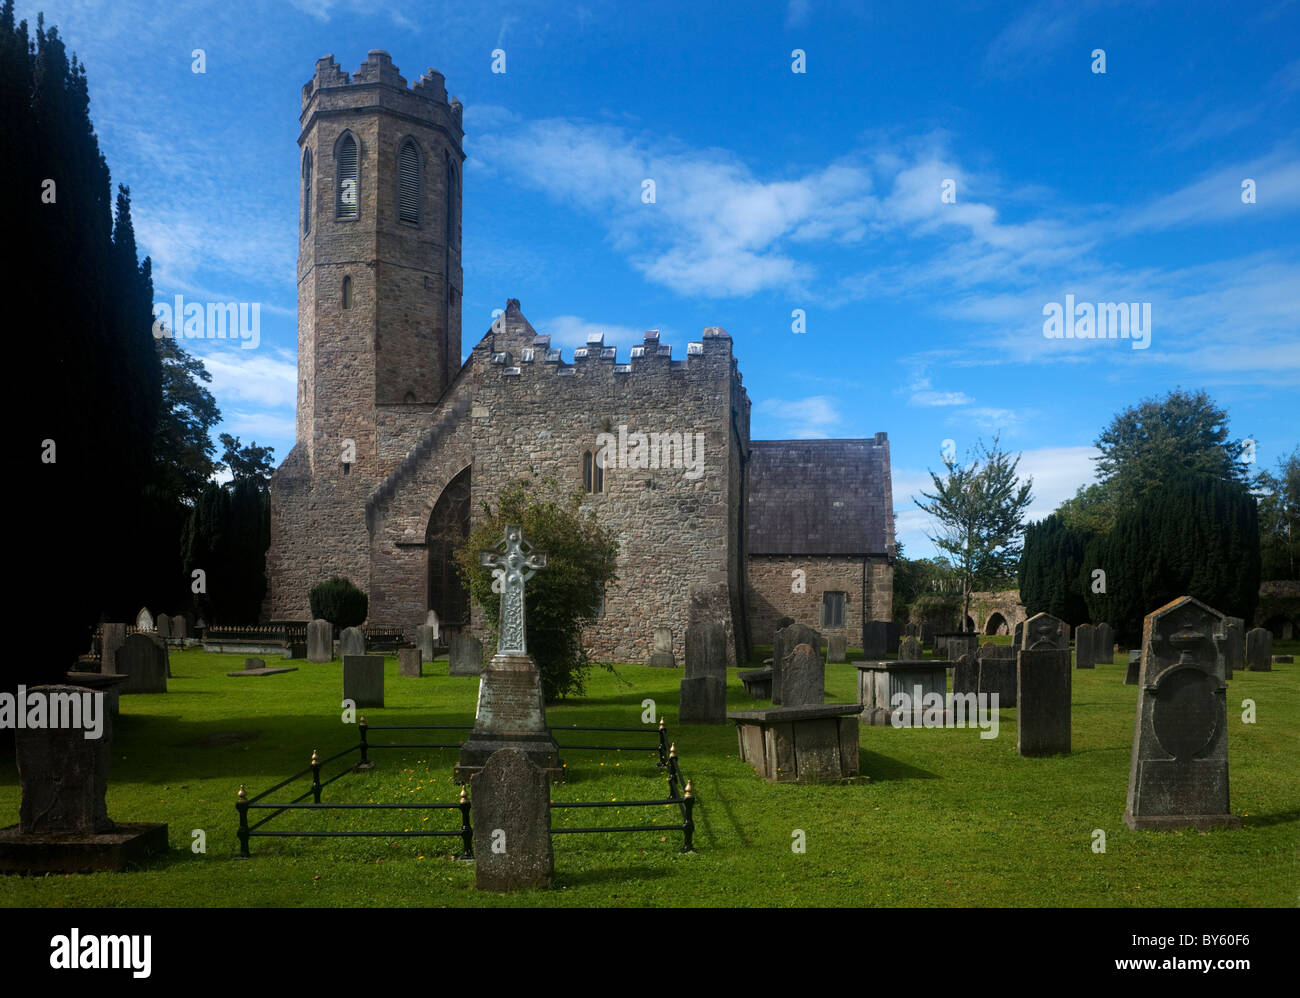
(909, 649)
(144, 662)
(64, 825)
(661, 656)
(511, 711)
(836, 648)
(1179, 773)
(363, 680)
(704, 690)
(1018, 637)
(876, 639)
(352, 642)
(990, 650)
(966, 674)
(320, 641)
(180, 627)
(426, 640)
(114, 635)
(782, 647)
(1043, 701)
(803, 678)
(1085, 646)
(431, 621)
(408, 662)
(254, 663)
(163, 625)
(512, 824)
(144, 620)
(1259, 650)
(1042, 630)
(465, 656)
(1233, 650)
(256, 667)
(1133, 673)
(1105, 644)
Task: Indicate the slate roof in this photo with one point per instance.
(819, 497)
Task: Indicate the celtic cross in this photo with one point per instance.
(511, 568)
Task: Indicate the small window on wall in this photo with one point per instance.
(347, 292)
(593, 475)
(833, 609)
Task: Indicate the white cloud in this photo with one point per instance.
(572, 331)
(811, 418)
(255, 376)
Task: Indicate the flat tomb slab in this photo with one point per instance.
(262, 672)
(816, 743)
(130, 842)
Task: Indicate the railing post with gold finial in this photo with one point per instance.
(663, 744)
(315, 775)
(365, 762)
(241, 805)
(688, 829)
(466, 832)
(672, 771)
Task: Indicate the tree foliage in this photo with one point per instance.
(1279, 519)
(980, 507)
(340, 602)
(581, 560)
(1051, 567)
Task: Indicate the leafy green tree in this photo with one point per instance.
(581, 560)
(918, 577)
(1146, 444)
(183, 449)
(340, 602)
(1279, 519)
(254, 463)
(980, 508)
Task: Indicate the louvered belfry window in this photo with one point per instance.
(408, 183)
(347, 183)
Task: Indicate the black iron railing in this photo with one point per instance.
(680, 791)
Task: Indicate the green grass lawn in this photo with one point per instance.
(947, 819)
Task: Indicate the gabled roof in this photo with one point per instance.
(819, 497)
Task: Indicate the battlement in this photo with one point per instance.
(649, 354)
(378, 69)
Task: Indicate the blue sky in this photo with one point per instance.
(776, 191)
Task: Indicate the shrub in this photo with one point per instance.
(339, 602)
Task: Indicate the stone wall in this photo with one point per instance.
(987, 607)
(868, 581)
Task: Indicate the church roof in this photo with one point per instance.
(820, 497)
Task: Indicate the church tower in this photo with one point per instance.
(379, 263)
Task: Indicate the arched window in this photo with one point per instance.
(408, 182)
(306, 193)
(346, 187)
(452, 200)
(347, 292)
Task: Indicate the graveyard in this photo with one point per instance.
(946, 819)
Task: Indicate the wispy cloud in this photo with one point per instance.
(811, 418)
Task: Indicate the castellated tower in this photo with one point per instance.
(379, 306)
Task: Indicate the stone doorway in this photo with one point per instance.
(447, 530)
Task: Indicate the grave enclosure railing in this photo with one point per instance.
(680, 791)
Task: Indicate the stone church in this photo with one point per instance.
(399, 443)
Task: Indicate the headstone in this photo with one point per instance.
(661, 656)
(1085, 647)
(465, 656)
(803, 678)
(783, 645)
(320, 641)
(363, 680)
(966, 674)
(836, 650)
(1179, 773)
(180, 627)
(426, 640)
(254, 663)
(990, 650)
(909, 649)
(110, 644)
(408, 662)
(255, 668)
(1042, 630)
(892, 638)
(144, 662)
(1283, 659)
(1105, 644)
(64, 774)
(512, 824)
(704, 690)
(164, 626)
(1133, 673)
(998, 676)
(144, 620)
(431, 621)
(1234, 648)
(352, 642)
(875, 637)
(511, 711)
(1043, 702)
(1018, 638)
(1259, 650)
(190, 624)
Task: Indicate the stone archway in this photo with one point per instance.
(996, 624)
(447, 530)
